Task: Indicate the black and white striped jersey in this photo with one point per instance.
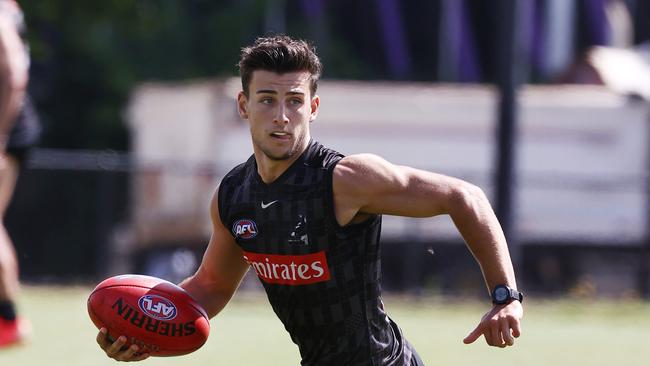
(322, 280)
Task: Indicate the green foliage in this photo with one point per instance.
(88, 55)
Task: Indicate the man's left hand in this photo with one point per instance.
(500, 326)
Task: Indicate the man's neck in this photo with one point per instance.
(269, 169)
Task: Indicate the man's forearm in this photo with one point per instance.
(212, 299)
(484, 237)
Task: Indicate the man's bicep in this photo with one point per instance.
(381, 187)
(223, 259)
(221, 269)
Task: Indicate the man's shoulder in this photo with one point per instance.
(322, 156)
(362, 172)
(360, 163)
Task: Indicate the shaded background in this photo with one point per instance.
(74, 200)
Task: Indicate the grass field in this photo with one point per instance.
(590, 333)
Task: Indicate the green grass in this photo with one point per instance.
(568, 333)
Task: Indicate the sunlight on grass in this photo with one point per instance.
(248, 333)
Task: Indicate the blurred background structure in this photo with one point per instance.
(138, 97)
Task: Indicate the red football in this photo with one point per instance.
(160, 317)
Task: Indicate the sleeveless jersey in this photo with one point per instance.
(322, 280)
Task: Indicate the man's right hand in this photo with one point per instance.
(117, 350)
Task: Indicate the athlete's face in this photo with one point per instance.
(279, 108)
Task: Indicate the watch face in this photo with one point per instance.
(500, 294)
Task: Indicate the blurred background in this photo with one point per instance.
(542, 103)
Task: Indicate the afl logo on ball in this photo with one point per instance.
(245, 229)
(157, 307)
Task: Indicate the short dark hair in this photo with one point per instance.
(279, 54)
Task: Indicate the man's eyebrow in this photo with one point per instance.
(266, 91)
(269, 91)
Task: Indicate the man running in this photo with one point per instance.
(307, 220)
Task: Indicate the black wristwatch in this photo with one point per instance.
(503, 294)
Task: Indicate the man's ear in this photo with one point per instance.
(242, 105)
(315, 103)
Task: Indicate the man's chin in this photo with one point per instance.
(277, 153)
(279, 156)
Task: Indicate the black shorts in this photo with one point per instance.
(25, 133)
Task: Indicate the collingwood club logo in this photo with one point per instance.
(298, 235)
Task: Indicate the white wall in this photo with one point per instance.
(583, 151)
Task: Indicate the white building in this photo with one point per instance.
(582, 164)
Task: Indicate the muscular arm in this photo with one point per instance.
(221, 270)
(213, 285)
(367, 184)
(13, 74)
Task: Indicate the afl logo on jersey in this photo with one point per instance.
(245, 229)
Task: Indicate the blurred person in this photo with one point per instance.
(18, 131)
(307, 220)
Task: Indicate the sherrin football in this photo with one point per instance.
(160, 317)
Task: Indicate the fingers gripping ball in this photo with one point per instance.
(158, 316)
